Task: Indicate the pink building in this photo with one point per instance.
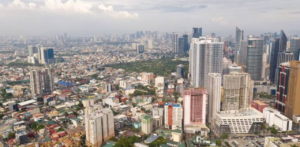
(259, 105)
(194, 105)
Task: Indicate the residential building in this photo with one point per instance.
(293, 97)
(175, 43)
(173, 115)
(140, 48)
(206, 56)
(243, 121)
(238, 41)
(99, 125)
(254, 57)
(32, 50)
(279, 121)
(194, 104)
(147, 124)
(282, 86)
(36, 82)
(148, 77)
(237, 91)
(281, 142)
(214, 95)
(283, 56)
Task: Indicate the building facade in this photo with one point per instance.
(293, 97)
(194, 103)
(282, 86)
(254, 57)
(243, 121)
(279, 121)
(147, 124)
(237, 91)
(206, 56)
(238, 40)
(173, 115)
(295, 47)
(214, 95)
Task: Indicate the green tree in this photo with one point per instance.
(11, 135)
(126, 142)
(60, 129)
(224, 136)
(219, 142)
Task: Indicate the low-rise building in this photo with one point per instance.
(247, 120)
(274, 118)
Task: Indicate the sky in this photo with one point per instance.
(84, 18)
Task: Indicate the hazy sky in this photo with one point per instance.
(99, 17)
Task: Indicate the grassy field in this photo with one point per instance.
(161, 67)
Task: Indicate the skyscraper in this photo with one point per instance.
(206, 56)
(197, 32)
(283, 56)
(295, 47)
(238, 40)
(36, 83)
(214, 95)
(194, 104)
(41, 82)
(277, 45)
(255, 52)
(237, 91)
(175, 43)
(48, 80)
(185, 43)
(282, 86)
(47, 55)
(293, 96)
(180, 71)
(181, 46)
(99, 125)
(32, 50)
(173, 115)
(140, 48)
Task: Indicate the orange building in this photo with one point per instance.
(293, 99)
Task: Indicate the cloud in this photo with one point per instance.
(110, 10)
(70, 5)
(295, 12)
(18, 4)
(220, 20)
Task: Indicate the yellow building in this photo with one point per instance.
(293, 97)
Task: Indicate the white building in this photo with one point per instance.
(246, 120)
(206, 56)
(273, 117)
(237, 91)
(173, 115)
(99, 125)
(159, 81)
(214, 95)
(147, 124)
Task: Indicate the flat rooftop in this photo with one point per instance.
(240, 113)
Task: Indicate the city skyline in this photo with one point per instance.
(90, 18)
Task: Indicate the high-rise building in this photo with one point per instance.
(180, 71)
(278, 45)
(36, 82)
(194, 104)
(186, 46)
(175, 43)
(206, 56)
(214, 95)
(150, 44)
(283, 56)
(48, 80)
(147, 124)
(181, 46)
(293, 95)
(255, 52)
(243, 53)
(197, 32)
(32, 50)
(238, 40)
(237, 91)
(47, 55)
(173, 115)
(41, 82)
(99, 125)
(295, 47)
(282, 86)
(140, 48)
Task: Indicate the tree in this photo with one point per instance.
(11, 135)
(224, 136)
(60, 129)
(273, 130)
(82, 141)
(126, 142)
(160, 140)
(219, 142)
